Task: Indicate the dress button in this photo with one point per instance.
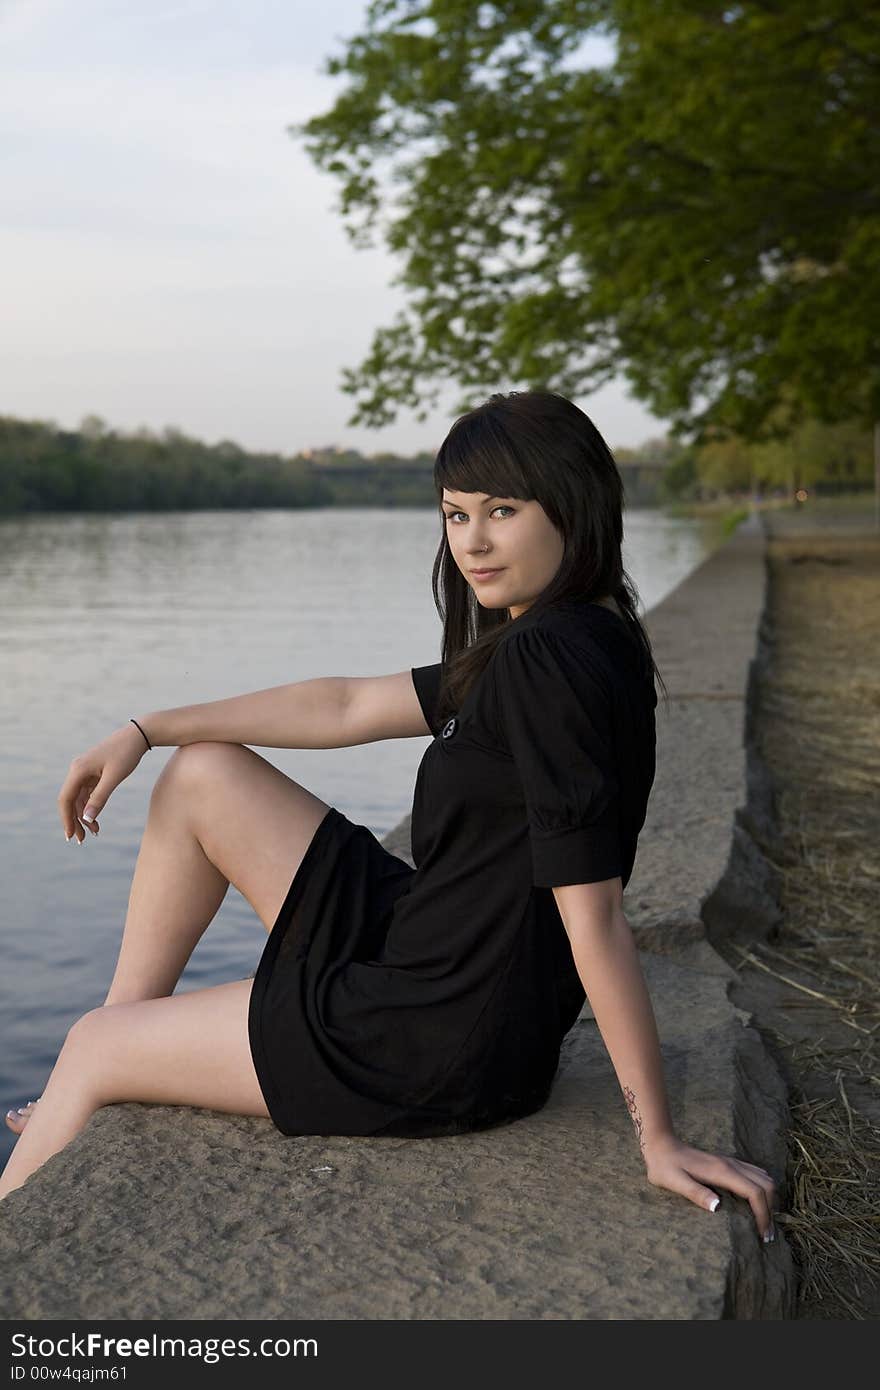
(450, 728)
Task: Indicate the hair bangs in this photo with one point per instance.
(479, 455)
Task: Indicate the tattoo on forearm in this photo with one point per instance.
(629, 1097)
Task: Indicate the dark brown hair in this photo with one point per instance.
(530, 444)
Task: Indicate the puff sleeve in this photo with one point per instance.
(555, 710)
(426, 680)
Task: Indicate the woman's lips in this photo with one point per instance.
(486, 574)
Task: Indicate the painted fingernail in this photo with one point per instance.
(69, 838)
(769, 1235)
(713, 1205)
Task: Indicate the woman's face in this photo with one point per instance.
(515, 539)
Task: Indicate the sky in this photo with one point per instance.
(169, 254)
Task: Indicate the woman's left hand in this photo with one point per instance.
(679, 1168)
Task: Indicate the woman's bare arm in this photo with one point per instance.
(325, 712)
(303, 714)
(610, 971)
(608, 964)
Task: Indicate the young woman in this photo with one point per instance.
(389, 1000)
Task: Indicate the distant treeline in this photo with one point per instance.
(47, 469)
(96, 469)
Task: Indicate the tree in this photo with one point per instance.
(92, 427)
(702, 216)
(837, 455)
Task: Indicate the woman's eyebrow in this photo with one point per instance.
(445, 501)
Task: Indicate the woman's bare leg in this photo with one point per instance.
(219, 814)
(189, 1049)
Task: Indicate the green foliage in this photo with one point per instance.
(733, 519)
(822, 457)
(680, 479)
(839, 455)
(43, 468)
(703, 216)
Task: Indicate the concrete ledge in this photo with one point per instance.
(168, 1213)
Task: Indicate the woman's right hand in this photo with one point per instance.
(94, 775)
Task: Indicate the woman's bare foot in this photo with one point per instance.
(17, 1119)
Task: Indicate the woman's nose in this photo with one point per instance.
(477, 543)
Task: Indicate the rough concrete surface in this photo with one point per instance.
(168, 1212)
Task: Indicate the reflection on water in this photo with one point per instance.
(107, 616)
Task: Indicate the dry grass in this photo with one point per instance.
(833, 1181)
(834, 1218)
(820, 736)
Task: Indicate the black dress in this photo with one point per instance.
(401, 1001)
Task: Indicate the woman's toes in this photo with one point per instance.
(17, 1119)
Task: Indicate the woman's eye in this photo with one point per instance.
(450, 516)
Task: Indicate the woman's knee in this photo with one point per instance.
(87, 1031)
(98, 1046)
(194, 767)
(83, 1050)
(190, 1049)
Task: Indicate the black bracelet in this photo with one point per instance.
(137, 726)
